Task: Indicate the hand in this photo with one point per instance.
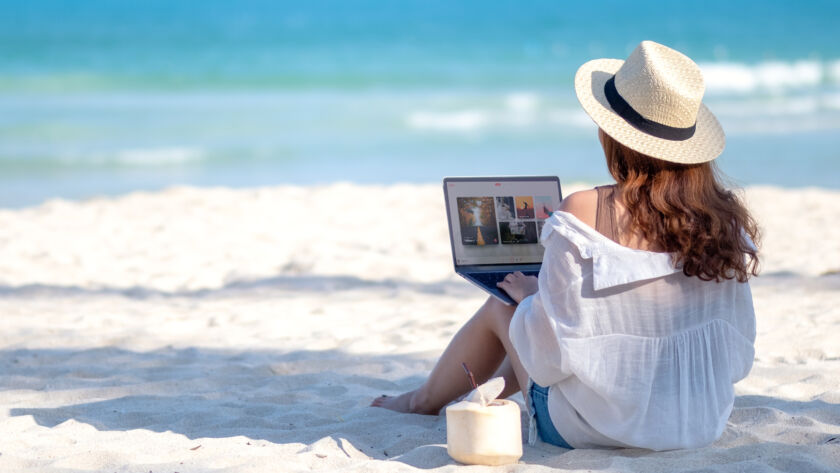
(518, 286)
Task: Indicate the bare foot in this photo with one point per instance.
(401, 403)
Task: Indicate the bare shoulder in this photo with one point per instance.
(582, 204)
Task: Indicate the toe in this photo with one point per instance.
(377, 402)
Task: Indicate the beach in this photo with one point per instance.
(222, 229)
(238, 330)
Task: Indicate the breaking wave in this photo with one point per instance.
(769, 77)
(774, 96)
(158, 156)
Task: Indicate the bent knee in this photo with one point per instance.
(498, 307)
(497, 314)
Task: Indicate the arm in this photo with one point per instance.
(533, 336)
(538, 323)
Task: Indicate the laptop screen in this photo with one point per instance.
(498, 220)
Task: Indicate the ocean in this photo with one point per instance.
(103, 97)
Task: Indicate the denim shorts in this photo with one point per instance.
(539, 409)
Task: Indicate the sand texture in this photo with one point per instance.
(248, 330)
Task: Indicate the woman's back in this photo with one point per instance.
(636, 352)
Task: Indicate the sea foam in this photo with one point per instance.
(518, 109)
(773, 76)
(159, 156)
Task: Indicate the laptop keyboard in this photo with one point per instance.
(490, 279)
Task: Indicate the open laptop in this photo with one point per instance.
(495, 225)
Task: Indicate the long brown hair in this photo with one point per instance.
(682, 209)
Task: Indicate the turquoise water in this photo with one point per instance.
(104, 97)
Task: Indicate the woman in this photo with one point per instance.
(641, 320)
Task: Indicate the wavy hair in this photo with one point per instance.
(682, 209)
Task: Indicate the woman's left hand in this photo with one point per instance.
(518, 286)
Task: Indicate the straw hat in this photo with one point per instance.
(652, 103)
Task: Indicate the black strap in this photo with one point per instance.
(625, 111)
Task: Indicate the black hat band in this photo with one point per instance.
(625, 111)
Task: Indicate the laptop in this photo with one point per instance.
(495, 225)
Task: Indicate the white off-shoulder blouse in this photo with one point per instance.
(636, 354)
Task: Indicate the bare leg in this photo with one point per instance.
(482, 344)
(511, 383)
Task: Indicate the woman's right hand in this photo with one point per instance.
(518, 286)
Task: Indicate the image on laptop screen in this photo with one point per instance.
(499, 221)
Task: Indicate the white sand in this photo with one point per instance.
(221, 330)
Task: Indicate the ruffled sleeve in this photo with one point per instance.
(533, 337)
(533, 331)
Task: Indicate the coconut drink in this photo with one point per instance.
(483, 430)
